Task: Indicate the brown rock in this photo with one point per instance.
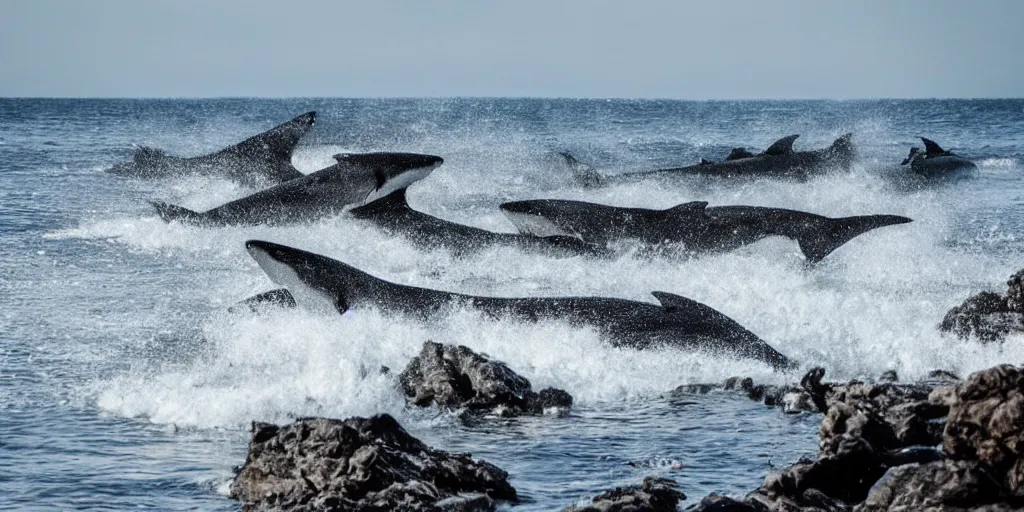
(947, 483)
(986, 423)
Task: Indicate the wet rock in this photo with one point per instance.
(943, 375)
(652, 495)
(1015, 292)
(360, 464)
(948, 483)
(986, 423)
(716, 503)
(454, 377)
(989, 316)
(879, 448)
(889, 376)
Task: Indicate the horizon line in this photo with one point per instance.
(574, 98)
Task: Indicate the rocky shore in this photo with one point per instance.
(936, 445)
(940, 444)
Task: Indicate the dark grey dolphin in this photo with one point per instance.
(261, 159)
(355, 179)
(778, 161)
(394, 215)
(936, 162)
(697, 228)
(325, 284)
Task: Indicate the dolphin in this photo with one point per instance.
(394, 215)
(320, 283)
(260, 159)
(694, 226)
(936, 162)
(356, 178)
(778, 161)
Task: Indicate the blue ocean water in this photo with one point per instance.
(124, 383)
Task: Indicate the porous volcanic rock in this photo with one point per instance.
(454, 377)
(360, 464)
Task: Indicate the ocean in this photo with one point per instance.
(126, 384)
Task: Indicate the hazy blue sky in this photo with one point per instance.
(571, 48)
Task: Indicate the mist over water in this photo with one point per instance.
(120, 358)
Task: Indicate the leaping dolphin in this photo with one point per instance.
(694, 226)
(778, 161)
(260, 159)
(321, 283)
(394, 215)
(936, 162)
(355, 179)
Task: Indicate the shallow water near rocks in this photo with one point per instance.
(125, 383)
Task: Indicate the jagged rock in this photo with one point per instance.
(455, 377)
(948, 483)
(989, 316)
(986, 423)
(1015, 292)
(716, 503)
(653, 495)
(360, 464)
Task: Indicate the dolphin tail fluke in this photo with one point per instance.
(583, 174)
(276, 146)
(170, 212)
(817, 243)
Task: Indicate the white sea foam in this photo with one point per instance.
(871, 306)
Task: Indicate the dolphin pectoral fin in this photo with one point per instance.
(584, 174)
(931, 148)
(816, 244)
(280, 297)
(170, 212)
(782, 146)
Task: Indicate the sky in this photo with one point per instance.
(696, 49)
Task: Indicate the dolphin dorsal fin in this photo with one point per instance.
(931, 148)
(674, 303)
(687, 209)
(781, 146)
(277, 142)
(583, 174)
(392, 202)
